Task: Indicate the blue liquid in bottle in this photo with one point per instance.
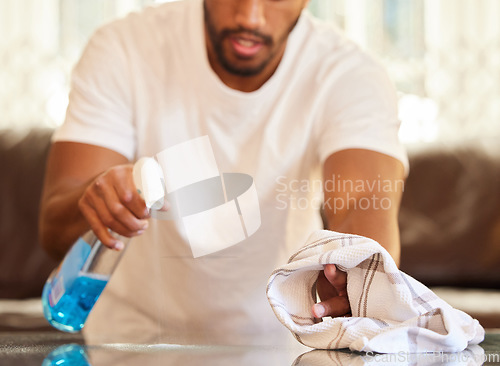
(73, 307)
(75, 286)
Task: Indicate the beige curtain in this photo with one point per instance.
(443, 55)
(41, 41)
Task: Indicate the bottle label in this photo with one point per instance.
(68, 270)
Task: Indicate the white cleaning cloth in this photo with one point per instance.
(391, 311)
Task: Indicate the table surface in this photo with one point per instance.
(32, 348)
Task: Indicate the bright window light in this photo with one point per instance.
(418, 119)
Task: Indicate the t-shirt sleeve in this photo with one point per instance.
(361, 113)
(100, 103)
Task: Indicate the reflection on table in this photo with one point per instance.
(54, 348)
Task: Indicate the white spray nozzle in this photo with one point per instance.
(148, 179)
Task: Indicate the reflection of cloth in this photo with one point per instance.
(392, 312)
(473, 355)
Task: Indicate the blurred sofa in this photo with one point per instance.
(24, 266)
(449, 220)
(450, 226)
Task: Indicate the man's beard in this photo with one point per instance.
(217, 41)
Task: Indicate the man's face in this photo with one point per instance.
(246, 36)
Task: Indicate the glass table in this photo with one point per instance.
(56, 348)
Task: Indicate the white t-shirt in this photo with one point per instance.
(144, 84)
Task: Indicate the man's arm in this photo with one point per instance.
(367, 195)
(87, 187)
(363, 192)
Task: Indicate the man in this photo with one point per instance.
(280, 96)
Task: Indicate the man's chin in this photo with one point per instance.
(244, 69)
(244, 72)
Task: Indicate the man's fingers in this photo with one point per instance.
(334, 307)
(324, 287)
(131, 198)
(98, 228)
(112, 211)
(332, 288)
(111, 202)
(337, 278)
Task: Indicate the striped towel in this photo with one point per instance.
(391, 311)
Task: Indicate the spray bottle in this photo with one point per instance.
(74, 286)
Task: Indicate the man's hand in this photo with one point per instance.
(112, 201)
(344, 213)
(332, 290)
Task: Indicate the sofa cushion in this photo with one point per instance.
(450, 218)
(24, 266)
